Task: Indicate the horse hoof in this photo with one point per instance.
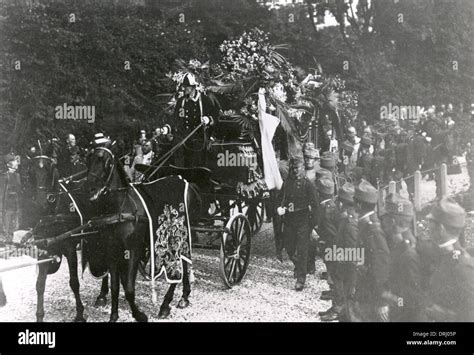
(183, 303)
(113, 318)
(140, 317)
(100, 302)
(80, 319)
(164, 313)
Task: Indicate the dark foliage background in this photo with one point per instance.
(83, 62)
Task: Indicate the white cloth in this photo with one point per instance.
(268, 125)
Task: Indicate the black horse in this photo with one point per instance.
(125, 241)
(57, 210)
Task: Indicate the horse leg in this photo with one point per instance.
(128, 278)
(184, 301)
(40, 287)
(165, 308)
(71, 257)
(101, 300)
(3, 297)
(114, 291)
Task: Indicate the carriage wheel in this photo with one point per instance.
(235, 249)
(144, 266)
(255, 212)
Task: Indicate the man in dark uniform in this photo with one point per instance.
(299, 206)
(344, 277)
(326, 229)
(11, 197)
(406, 293)
(365, 156)
(451, 289)
(328, 161)
(374, 274)
(192, 109)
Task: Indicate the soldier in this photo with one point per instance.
(344, 277)
(191, 110)
(406, 276)
(346, 153)
(451, 289)
(356, 141)
(374, 273)
(327, 228)
(328, 161)
(365, 156)
(70, 157)
(11, 197)
(299, 205)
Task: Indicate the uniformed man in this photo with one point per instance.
(406, 293)
(299, 206)
(328, 161)
(374, 274)
(326, 228)
(70, 158)
(365, 155)
(451, 289)
(192, 109)
(11, 197)
(346, 153)
(344, 277)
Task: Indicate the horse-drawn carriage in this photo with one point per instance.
(229, 200)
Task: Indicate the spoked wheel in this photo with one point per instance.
(255, 212)
(144, 266)
(235, 249)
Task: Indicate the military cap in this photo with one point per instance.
(321, 173)
(100, 140)
(398, 205)
(367, 141)
(326, 186)
(346, 192)
(365, 192)
(8, 158)
(296, 161)
(327, 161)
(310, 152)
(448, 212)
(189, 80)
(347, 146)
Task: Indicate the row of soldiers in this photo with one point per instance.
(376, 268)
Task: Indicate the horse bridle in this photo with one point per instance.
(106, 186)
(50, 197)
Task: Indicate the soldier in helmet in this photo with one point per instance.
(327, 228)
(374, 274)
(11, 197)
(299, 207)
(344, 275)
(406, 293)
(451, 288)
